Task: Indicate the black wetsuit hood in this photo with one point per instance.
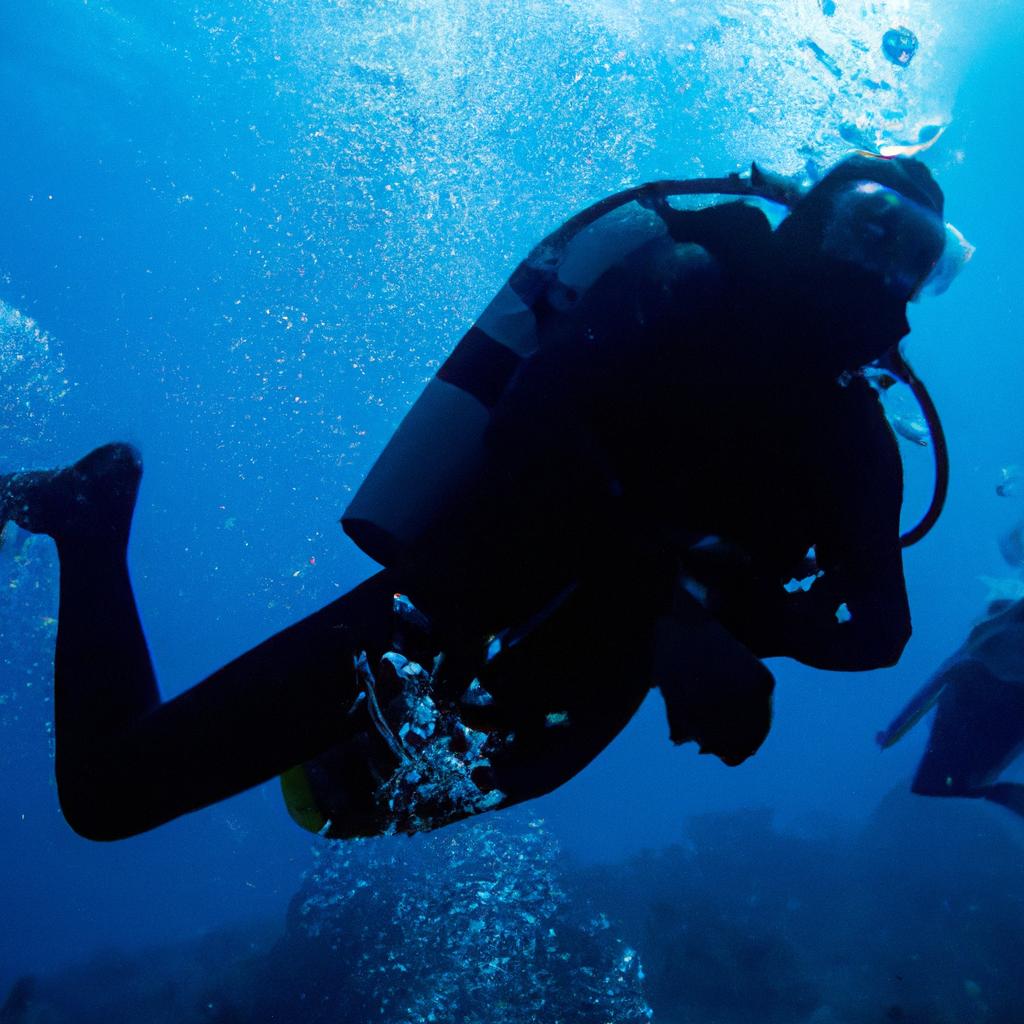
(835, 316)
(862, 318)
(842, 316)
(909, 177)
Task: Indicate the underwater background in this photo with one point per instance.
(242, 235)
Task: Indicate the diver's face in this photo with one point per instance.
(883, 232)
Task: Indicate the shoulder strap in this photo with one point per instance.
(736, 234)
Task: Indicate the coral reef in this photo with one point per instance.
(914, 918)
(474, 923)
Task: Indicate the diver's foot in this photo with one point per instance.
(91, 500)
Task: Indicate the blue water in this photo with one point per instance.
(247, 233)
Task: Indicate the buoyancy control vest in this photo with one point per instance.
(434, 461)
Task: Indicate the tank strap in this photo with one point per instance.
(480, 366)
(737, 234)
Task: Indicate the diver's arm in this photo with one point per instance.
(855, 616)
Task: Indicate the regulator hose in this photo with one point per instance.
(759, 184)
(902, 369)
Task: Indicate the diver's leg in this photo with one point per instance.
(978, 731)
(87, 509)
(566, 689)
(123, 768)
(127, 762)
(276, 706)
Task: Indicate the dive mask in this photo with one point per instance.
(895, 238)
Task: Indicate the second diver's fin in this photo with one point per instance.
(918, 706)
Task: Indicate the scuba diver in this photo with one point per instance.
(978, 729)
(656, 423)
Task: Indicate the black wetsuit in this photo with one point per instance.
(702, 387)
(694, 390)
(697, 392)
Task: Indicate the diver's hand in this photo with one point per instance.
(716, 692)
(724, 716)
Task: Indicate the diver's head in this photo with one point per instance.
(878, 219)
(883, 232)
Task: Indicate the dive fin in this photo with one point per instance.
(920, 704)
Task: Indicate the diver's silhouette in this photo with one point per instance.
(605, 487)
(978, 730)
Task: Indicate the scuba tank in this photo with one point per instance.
(436, 456)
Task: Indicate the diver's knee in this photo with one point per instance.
(88, 825)
(88, 814)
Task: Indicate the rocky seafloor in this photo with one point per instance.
(917, 917)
